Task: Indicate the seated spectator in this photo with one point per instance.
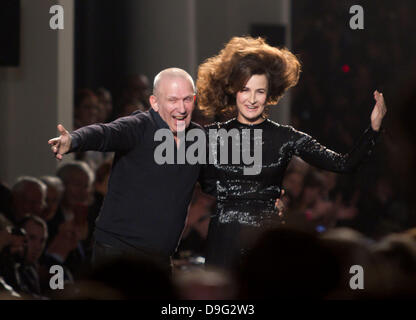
(77, 178)
(54, 192)
(311, 212)
(100, 190)
(129, 106)
(6, 239)
(28, 197)
(13, 248)
(5, 225)
(57, 253)
(37, 234)
(28, 271)
(10, 242)
(136, 88)
(86, 108)
(89, 110)
(105, 105)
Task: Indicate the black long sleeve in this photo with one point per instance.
(248, 198)
(120, 135)
(319, 156)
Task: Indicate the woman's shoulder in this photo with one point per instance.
(286, 130)
(277, 126)
(220, 125)
(268, 124)
(212, 125)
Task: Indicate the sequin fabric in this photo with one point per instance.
(250, 199)
(246, 203)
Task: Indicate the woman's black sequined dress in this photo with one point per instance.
(247, 202)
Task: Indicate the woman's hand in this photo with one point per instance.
(280, 206)
(379, 111)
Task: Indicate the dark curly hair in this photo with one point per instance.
(222, 76)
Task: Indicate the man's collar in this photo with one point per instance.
(158, 119)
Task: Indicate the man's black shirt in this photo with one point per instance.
(146, 203)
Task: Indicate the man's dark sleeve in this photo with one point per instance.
(119, 135)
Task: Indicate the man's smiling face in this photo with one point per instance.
(174, 101)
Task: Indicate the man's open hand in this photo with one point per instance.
(61, 144)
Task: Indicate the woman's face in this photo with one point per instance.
(251, 99)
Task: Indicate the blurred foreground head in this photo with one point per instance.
(401, 137)
(205, 284)
(397, 255)
(124, 278)
(288, 264)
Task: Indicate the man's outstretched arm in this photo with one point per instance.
(121, 134)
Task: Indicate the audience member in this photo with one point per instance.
(77, 179)
(28, 197)
(54, 192)
(100, 190)
(86, 108)
(137, 88)
(105, 101)
(28, 271)
(58, 251)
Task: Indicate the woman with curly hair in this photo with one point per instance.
(239, 82)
